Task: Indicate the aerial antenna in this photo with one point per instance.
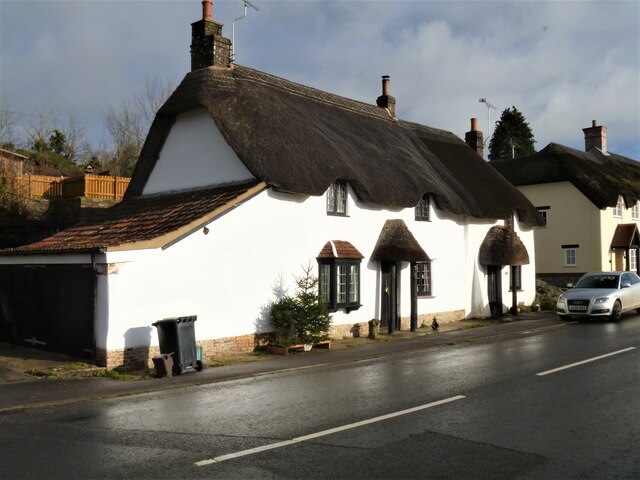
(246, 4)
(489, 107)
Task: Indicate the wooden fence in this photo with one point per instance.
(93, 186)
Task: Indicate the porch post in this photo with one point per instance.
(514, 291)
(393, 269)
(414, 298)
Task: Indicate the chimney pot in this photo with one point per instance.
(207, 10)
(386, 88)
(474, 138)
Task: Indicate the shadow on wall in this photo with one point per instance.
(136, 347)
(263, 319)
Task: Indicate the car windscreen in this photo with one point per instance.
(598, 281)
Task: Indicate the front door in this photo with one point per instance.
(390, 297)
(495, 290)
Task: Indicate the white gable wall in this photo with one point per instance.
(195, 155)
(227, 277)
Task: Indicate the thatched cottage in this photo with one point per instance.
(245, 178)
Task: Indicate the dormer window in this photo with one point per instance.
(337, 198)
(617, 211)
(422, 209)
(635, 212)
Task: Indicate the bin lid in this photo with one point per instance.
(189, 318)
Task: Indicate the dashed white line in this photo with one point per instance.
(588, 360)
(312, 436)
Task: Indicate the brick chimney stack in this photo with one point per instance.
(595, 136)
(386, 100)
(208, 46)
(474, 138)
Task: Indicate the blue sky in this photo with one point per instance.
(561, 63)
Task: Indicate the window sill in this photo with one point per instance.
(334, 214)
(346, 307)
(420, 297)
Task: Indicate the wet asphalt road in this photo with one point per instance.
(499, 420)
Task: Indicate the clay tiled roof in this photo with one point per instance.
(339, 249)
(153, 221)
(625, 236)
(299, 139)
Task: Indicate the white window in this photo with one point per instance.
(544, 213)
(633, 260)
(422, 209)
(617, 211)
(337, 198)
(635, 212)
(570, 257)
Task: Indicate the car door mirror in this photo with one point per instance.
(625, 285)
(569, 285)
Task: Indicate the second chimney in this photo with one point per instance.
(595, 136)
(474, 138)
(386, 100)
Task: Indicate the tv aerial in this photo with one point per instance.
(246, 4)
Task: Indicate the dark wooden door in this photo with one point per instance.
(495, 289)
(390, 297)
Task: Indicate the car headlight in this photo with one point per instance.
(560, 299)
(601, 300)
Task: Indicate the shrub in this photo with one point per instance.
(546, 295)
(303, 317)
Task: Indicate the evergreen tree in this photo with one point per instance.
(512, 136)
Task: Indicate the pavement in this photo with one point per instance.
(31, 378)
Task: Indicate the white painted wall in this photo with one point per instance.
(227, 277)
(195, 155)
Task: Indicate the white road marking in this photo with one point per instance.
(586, 361)
(323, 433)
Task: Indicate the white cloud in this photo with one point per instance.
(561, 63)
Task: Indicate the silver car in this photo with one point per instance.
(601, 294)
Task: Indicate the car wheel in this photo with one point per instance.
(616, 311)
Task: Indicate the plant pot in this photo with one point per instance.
(307, 347)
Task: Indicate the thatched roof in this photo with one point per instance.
(600, 177)
(397, 243)
(298, 139)
(502, 246)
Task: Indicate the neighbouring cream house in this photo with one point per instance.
(589, 203)
(245, 178)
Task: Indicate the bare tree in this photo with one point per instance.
(155, 94)
(7, 122)
(127, 125)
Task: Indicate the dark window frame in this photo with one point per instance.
(517, 270)
(334, 265)
(424, 285)
(334, 202)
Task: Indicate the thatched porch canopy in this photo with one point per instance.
(502, 246)
(396, 243)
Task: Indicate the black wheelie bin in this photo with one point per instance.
(177, 336)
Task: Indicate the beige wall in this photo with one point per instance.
(613, 260)
(572, 220)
